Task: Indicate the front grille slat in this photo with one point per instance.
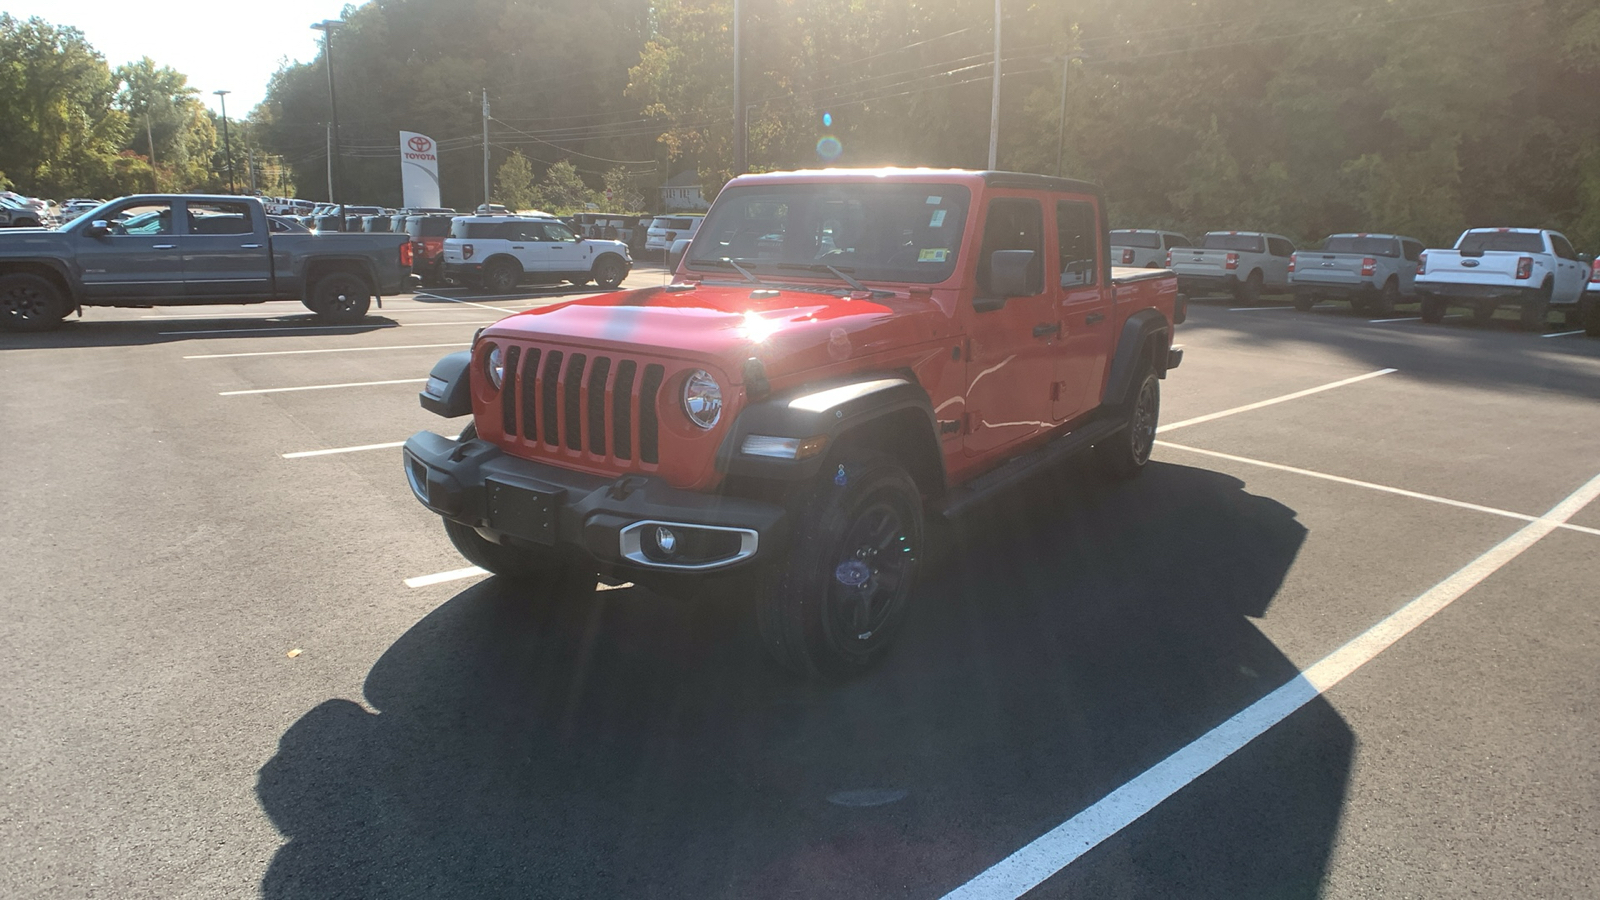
(530, 394)
(649, 388)
(572, 400)
(622, 409)
(550, 391)
(508, 392)
(595, 403)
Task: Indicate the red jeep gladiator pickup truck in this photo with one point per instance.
(844, 353)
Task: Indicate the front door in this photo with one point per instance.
(225, 252)
(1012, 341)
(138, 261)
(1084, 302)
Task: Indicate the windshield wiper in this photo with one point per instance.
(725, 261)
(742, 270)
(839, 273)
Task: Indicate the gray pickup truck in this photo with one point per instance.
(1372, 271)
(188, 249)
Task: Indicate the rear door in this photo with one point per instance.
(138, 260)
(1571, 273)
(1083, 301)
(225, 251)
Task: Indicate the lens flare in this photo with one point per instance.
(827, 120)
(829, 148)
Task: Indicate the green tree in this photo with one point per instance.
(514, 183)
(562, 190)
(623, 191)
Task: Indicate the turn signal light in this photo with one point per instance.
(1524, 268)
(1233, 262)
(1369, 266)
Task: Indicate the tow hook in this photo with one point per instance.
(627, 484)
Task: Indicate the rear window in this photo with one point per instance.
(1239, 243)
(1366, 246)
(427, 226)
(478, 230)
(1511, 241)
(670, 224)
(1149, 240)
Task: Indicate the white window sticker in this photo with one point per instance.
(935, 201)
(933, 255)
(937, 220)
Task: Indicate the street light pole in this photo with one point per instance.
(335, 185)
(227, 148)
(994, 100)
(740, 133)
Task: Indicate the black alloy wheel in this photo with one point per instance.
(30, 302)
(1535, 313)
(1433, 309)
(871, 580)
(1251, 288)
(1383, 303)
(609, 272)
(1125, 453)
(341, 298)
(501, 277)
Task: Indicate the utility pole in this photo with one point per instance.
(486, 149)
(740, 124)
(994, 100)
(252, 152)
(150, 138)
(227, 148)
(335, 165)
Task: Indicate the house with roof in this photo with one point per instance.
(682, 193)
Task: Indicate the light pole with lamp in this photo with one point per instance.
(227, 148)
(328, 27)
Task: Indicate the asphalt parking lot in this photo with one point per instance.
(240, 660)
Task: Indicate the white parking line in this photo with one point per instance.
(373, 327)
(1563, 333)
(1340, 479)
(1387, 321)
(320, 387)
(467, 302)
(1058, 848)
(325, 350)
(1258, 308)
(302, 454)
(1285, 398)
(442, 577)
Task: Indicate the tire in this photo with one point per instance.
(609, 271)
(534, 565)
(501, 276)
(1433, 309)
(1124, 454)
(1536, 312)
(30, 302)
(1304, 302)
(341, 298)
(835, 602)
(1383, 303)
(1249, 290)
(1591, 316)
(1483, 312)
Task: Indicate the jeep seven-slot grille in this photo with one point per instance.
(557, 401)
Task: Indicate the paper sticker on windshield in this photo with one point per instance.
(937, 220)
(935, 201)
(938, 255)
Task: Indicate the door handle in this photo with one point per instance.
(250, 246)
(1093, 318)
(162, 246)
(1046, 330)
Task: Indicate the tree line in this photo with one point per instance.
(1416, 116)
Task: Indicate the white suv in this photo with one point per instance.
(501, 252)
(668, 230)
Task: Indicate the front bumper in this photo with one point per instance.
(515, 501)
(1470, 293)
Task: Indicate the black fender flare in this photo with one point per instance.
(448, 392)
(1144, 331)
(833, 410)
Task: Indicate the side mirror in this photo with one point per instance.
(1009, 276)
(675, 255)
(98, 228)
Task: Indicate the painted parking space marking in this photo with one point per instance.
(320, 387)
(1401, 319)
(1259, 308)
(1563, 333)
(373, 327)
(442, 577)
(302, 454)
(1273, 401)
(324, 350)
(1340, 479)
(467, 302)
(1058, 848)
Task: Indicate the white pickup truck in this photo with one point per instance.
(1247, 263)
(1534, 270)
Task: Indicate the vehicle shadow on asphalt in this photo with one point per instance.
(89, 332)
(623, 744)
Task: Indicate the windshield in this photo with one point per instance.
(1366, 246)
(1240, 243)
(1148, 240)
(1509, 241)
(877, 232)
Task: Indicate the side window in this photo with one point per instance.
(1075, 232)
(555, 231)
(219, 217)
(1013, 224)
(529, 231)
(1412, 250)
(1279, 247)
(1563, 247)
(143, 219)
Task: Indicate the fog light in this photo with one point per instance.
(666, 540)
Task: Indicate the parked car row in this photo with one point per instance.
(1532, 270)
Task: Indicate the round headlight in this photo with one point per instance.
(494, 366)
(702, 399)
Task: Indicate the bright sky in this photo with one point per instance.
(220, 45)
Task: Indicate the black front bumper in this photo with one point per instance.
(515, 501)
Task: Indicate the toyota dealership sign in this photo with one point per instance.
(419, 170)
